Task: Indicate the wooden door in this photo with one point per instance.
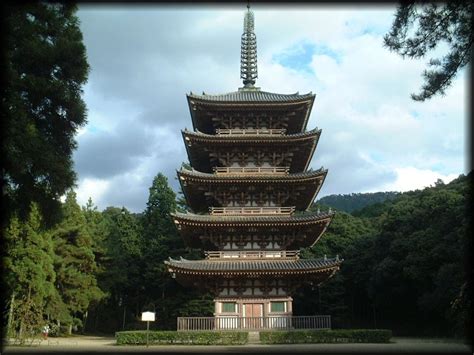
(253, 315)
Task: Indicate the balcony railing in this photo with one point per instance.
(277, 170)
(254, 323)
(251, 211)
(252, 254)
(250, 131)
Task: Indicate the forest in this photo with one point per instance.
(405, 266)
(82, 270)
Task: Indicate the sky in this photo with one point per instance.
(144, 59)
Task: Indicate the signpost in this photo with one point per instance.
(148, 317)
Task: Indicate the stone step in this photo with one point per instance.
(253, 338)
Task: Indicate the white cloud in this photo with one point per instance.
(145, 59)
(92, 188)
(411, 178)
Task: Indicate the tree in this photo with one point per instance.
(45, 66)
(29, 273)
(435, 23)
(161, 239)
(75, 264)
(122, 277)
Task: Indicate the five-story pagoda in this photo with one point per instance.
(247, 190)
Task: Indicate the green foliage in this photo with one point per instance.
(326, 336)
(404, 264)
(356, 201)
(29, 274)
(329, 298)
(182, 337)
(74, 260)
(447, 23)
(45, 67)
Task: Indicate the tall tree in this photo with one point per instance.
(97, 229)
(29, 273)
(434, 23)
(75, 261)
(161, 239)
(122, 278)
(45, 66)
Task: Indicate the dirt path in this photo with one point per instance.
(96, 345)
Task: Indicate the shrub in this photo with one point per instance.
(138, 337)
(326, 336)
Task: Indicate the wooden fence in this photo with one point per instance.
(254, 323)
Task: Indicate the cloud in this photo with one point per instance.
(144, 59)
(411, 178)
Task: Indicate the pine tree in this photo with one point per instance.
(449, 23)
(160, 237)
(75, 264)
(45, 65)
(29, 273)
(122, 278)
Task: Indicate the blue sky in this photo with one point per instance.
(144, 59)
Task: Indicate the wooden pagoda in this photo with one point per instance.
(248, 190)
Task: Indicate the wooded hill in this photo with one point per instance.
(406, 264)
(356, 201)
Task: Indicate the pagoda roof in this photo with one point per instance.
(257, 268)
(302, 145)
(252, 96)
(308, 226)
(197, 187)
(253, 138)
(185, 174)
(255, 221)
(204, 108)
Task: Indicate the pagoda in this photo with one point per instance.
(248, 191)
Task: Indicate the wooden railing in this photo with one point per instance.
(254, 323)
(277, 170)
(252, 131)
(252, 254)
(250, 211)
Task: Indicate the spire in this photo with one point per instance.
(248, 54)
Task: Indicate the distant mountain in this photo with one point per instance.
(356, 201)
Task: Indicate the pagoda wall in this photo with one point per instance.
(253, 287)
(266, 307)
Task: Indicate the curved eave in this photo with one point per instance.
(196, 176)
(250, 97)
(310, 227)
(197, 187)
(237, 100)
(250, 139)
(253, 221)
(198, 146)
(257, 268)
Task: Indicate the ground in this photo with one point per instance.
(96, 345)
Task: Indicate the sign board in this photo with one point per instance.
(148, 316)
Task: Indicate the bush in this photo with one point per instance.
(326, 336)
(138, 337)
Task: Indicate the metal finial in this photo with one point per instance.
(248, 52)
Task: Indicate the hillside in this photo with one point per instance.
(356, 201)
(405, 264)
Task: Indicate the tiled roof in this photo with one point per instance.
(294, 219)
(251, 138)
(253, 96)
(258, 177)
(253, 265)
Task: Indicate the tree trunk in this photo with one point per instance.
(123, 321)
(10, 315)
(84, 321)
(375, 315)
(69, 329)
